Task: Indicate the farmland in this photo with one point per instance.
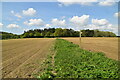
(23, 57)
(108, 45)
(70, 61)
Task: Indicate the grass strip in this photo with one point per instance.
(73, 62)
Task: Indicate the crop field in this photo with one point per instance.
(109, 46)
(71, 61)
(23, 57)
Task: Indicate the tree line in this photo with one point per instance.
(6, 35)
(58, 32)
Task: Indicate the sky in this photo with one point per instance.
(17, 17)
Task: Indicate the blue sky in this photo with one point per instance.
(20, 16)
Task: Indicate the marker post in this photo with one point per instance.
(80, 38)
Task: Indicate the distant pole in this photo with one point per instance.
(80, 37)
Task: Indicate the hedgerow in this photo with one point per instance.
(73, 62)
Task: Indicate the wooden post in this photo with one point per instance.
(80, 38)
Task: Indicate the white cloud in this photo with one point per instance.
(47, 25)
(12, 12)
(107, 3)
(56, 22)
(13, 26)
(63, 17)
(100, 27)
(100, 22)
(109, 27)
(86, 2)
(70, 2)
(26, 29)
(1, 25)
(117, 14)
(103, 25)
(79, 21)
(16, 14)
(29, 12)
(34, 22)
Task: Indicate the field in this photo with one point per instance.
(109, 46)
(71, 61)
(23, 57)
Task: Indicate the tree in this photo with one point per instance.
(37, 34)
(48, 34)
(31, 35)
(65, 33)
(25, 35)
(58, 32)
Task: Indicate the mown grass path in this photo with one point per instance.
(73, 62)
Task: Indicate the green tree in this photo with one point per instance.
(48, 34)
(58, 32)
(25, 35)
(31, 35)
(37, 34)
